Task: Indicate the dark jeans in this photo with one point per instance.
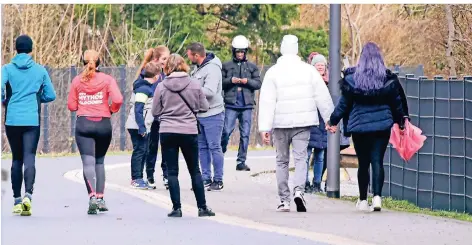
(152, 153)
(244, 117)
(138, 157)
(209, 144)
(188, 143)
(318, 157)
(370, 149)
(23, 143)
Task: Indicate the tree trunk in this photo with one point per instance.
(450, 40)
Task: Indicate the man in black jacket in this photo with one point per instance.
(240, 81)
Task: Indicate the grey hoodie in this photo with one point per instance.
(174, 114)
(210, 78)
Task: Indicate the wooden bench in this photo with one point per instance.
(349, 158)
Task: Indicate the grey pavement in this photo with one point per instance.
(59, 213)
(255, 198)
(60, 217)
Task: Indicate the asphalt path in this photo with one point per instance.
(60, 217)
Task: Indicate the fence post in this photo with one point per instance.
(73, 73)
(419, 113)
(46, 121)
(435, 78)
(465, 93)
(450, 120)
(123, 108)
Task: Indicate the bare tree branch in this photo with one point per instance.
(105, 36)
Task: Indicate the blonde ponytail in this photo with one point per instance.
(147, 58)
(150, 55)
(91, 57)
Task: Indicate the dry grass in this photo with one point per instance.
(405, 206)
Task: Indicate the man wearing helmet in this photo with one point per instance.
(240, 81)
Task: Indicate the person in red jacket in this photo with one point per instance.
(89, 94)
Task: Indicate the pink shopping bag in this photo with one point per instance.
(407, 142)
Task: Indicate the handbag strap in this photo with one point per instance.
(188, 105)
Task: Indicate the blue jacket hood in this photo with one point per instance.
(23, 61)
(154, 85)
(25, 85)
(211, 58)
(140, 83)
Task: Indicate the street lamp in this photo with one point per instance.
(333, 155)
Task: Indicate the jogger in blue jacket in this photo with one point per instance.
(25, 85)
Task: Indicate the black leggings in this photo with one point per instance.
(93, 137)
(370, 149)
(188, 143)
(23, 143)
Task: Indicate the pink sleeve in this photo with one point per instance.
(72, 100)
(115, 95)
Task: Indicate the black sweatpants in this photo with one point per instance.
(188, 143)
(370, 149)
(23, 143)
(93, 137)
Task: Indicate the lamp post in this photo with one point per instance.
(333, 155)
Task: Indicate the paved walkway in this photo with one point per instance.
(254, 199)
(60, 217)
(245, 213)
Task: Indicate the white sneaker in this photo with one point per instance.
(377, 203)
(300, 201)
(151, 184)
(283, 207)
(363, 206)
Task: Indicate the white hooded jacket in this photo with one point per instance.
(292, 92)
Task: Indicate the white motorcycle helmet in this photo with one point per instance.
(240, 42)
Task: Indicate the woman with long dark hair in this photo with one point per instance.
(372, 101)
(177, 100)
(88, 96)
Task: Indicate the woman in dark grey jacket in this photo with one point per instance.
(176, 102)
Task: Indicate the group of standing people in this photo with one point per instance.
(195, 112)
